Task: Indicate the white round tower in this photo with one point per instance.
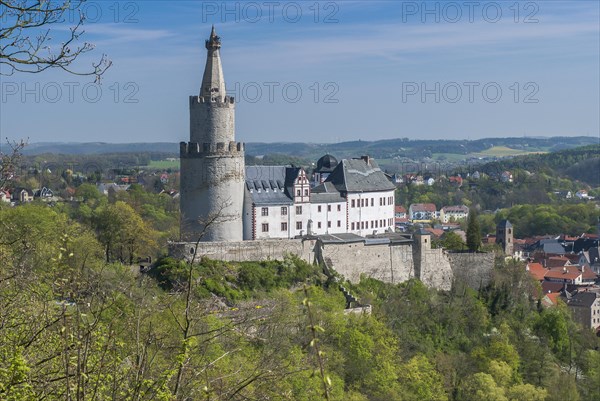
(212, 163)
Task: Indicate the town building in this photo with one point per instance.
(455, 213)
(422, 212)
(585, 307)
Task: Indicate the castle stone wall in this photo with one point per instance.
(385, 262)
(391, 263)
(243, 251)
(474, 269)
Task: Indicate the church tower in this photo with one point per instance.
(212, 162)
(504, 237)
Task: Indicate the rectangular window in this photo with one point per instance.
(339, 208)
(265, 227)
(319, 208)
(353, 203)
(329, 224)
(380, 201)
(298, 225)
(362, 225)
(319, 224)
(298, 209)
(329, 208)
(298, 192)
(376, 223)
(353, 226)
(264, 211)
(283, 226)
(284, 210)
(339, 223)
(362, 203)
(372, 201)
(372, 224)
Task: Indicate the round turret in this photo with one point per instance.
(326, 164)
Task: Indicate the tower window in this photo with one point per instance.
(306, 192)
(264, 211)
(298, 192)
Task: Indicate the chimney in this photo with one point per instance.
(366, 159)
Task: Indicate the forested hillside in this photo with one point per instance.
(78, 321)
(582, 164)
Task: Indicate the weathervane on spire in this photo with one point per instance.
(214, 42)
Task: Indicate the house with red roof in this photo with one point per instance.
(536, 271)
(571, 275)
(422, 212)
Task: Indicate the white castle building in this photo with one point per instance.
(221, 200)
(280, 202)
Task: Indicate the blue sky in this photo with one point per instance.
(330, 72)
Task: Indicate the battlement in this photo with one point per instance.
(217, 101)
(191, 149)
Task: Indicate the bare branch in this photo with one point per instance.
(25, 38)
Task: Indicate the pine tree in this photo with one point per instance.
(473, 232)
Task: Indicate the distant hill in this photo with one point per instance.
(381, 149)
(581, 164)
(91, 148)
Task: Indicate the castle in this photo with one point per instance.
(222, 200)
(341, 218)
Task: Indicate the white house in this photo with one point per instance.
(458, 212)
(422, 212)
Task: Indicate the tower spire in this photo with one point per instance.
(213, 81)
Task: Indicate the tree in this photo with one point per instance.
(25, 37)
(9, 161)
(420, 381)
(526, 392)
(473, 232)
(452, 241)
(481, 386)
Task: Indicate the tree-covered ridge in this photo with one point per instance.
(582, 164)
(74, 326)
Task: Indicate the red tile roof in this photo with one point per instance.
(556, 261)
(400, 209)
(537, 271)
(423, 207)
(550, 299)
(563, 273)
(435, 231)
